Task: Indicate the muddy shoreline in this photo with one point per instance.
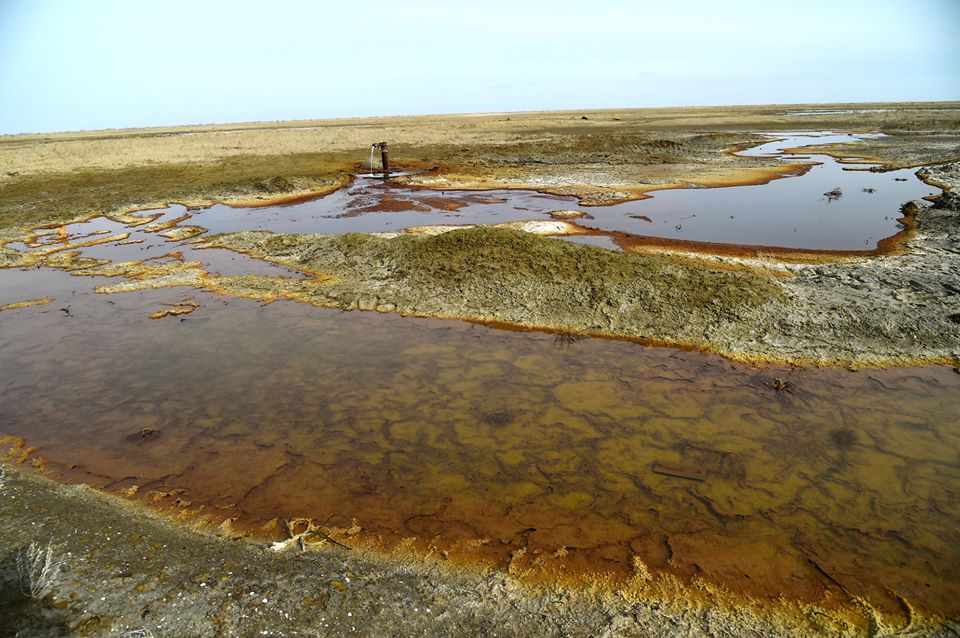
(126, 569)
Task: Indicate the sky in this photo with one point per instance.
(93, 64)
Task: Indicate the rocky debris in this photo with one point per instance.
(834, 194)
(569, 214)
(175, 310)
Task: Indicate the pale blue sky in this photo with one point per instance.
(90, 64)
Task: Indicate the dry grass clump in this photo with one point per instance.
(38, 570)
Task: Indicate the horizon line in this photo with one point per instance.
(248, 123)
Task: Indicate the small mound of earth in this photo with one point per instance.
(569, 214)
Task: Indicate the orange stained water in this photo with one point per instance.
(451, 432)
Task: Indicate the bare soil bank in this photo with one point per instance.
(126, 570)
(499, 275)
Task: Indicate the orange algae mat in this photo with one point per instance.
(452, 433)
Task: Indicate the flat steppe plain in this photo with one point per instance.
(600, 156)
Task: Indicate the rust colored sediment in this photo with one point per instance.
(390, 204)
(279, 200)
(16, 305)
(443, 203)
(765, 360)
(633, 242)
(644, 243)
(534, 569)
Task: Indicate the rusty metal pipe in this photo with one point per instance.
(384, 156)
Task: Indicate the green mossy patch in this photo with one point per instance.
(508, 275)
(60, 197)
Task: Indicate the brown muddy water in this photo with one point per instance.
(451, 433)
(521, 450)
